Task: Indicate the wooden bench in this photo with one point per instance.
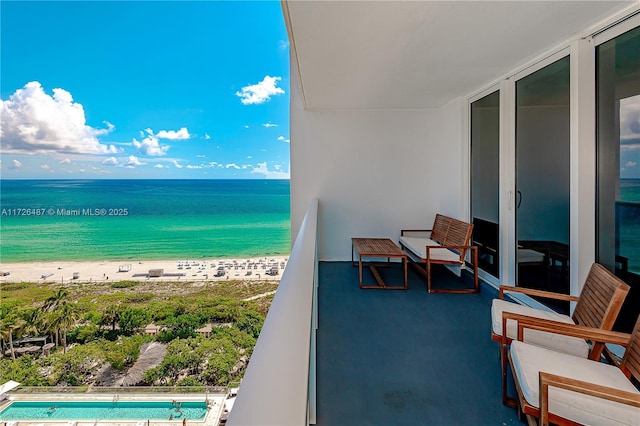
(445, 244)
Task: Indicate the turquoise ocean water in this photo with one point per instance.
(45, 220)
(628, 221)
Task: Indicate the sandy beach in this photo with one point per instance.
(264, 268)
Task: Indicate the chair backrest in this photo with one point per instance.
(630, 364)
(600, 299)
(600, 302)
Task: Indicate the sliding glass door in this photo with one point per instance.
(485, 180)
(543, 178)
(618, 165)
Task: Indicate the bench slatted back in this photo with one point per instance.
(440, 228)
(452, 232)
(459, 235)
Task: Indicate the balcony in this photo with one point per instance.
(375, 357)
(405, 357)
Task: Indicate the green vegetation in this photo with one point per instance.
(101, 327)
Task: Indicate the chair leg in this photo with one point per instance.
(506, 400)
(475, 270)
(428, 265)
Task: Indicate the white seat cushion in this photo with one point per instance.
(528, 360)
(567, 344)
(418, 245)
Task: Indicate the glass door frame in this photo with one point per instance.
(510, 262)
(476, 97)
(581, 50)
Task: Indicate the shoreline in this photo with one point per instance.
(239, 268)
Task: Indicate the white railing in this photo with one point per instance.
(278, 387)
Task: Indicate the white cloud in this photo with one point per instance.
(264, 170)
(206, 136)
(269, 124)
(190, 166)
(109, 129)
(249, 157)
(261, 92)
(45, 166)
(283, 44)
(281, 138)
(181, 134)
(33, 122)
(177, 165)
(133, 161)
(201, 156)
(111, 161)
(150, 146)
(15, 164)
(246, 126)
(65, 161)
(630, 164)
(159, 166)
(232, 166)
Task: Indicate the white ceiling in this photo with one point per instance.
(423, 54)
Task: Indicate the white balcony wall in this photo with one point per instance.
(374, 171)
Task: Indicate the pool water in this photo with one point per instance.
(102, 410)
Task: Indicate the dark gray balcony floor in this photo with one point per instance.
(405, 357)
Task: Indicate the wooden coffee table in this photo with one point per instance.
(377, 248)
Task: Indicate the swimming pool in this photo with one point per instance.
(104, 410)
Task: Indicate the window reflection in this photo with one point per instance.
(618, 167)
(543, 179)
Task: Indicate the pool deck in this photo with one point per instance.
(211, 419)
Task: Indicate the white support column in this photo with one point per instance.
(583, 163)
(507, 236)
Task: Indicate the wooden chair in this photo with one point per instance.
(569, 390)
(598, 306)
(447, 243)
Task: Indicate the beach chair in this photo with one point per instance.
(446, 243)
(569, 390)
(597, 306)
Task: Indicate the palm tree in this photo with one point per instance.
(52, 322)
(4, 311)
(51, 306)
(68, 313)
(11, 324)
(111, 316)
(52, 302)
(32, 320)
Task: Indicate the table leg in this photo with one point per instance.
(352, 262)
(360, 270)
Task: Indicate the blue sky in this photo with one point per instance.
(124, 89)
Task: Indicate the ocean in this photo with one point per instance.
(84, 220)
(47, 220)
(628, 221)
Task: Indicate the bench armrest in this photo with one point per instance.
(452, 247)
(539, 293)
